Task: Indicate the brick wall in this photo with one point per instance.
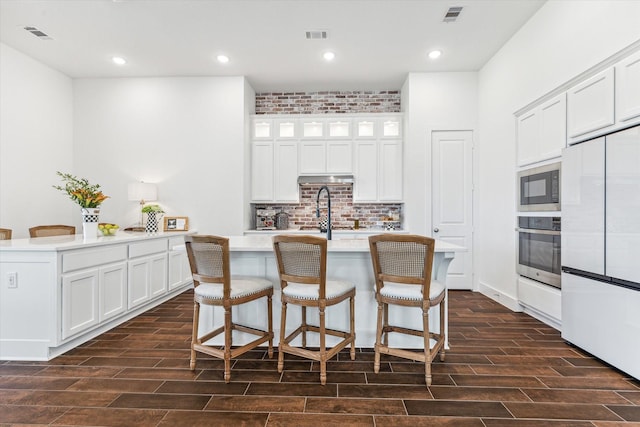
(328, 102)
(343, 210)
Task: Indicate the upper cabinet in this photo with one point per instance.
(628, 89)
(591, 105)
(542, 131)
(367, 146)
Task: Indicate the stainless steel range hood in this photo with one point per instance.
(325, 179)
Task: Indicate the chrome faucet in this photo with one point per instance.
(324, 187)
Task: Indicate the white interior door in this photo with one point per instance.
(452, 207)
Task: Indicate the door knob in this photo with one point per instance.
(435, 230)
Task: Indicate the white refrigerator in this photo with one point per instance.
(600, 243)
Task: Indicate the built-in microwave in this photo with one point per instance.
(539, 188)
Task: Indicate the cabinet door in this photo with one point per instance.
(179, 271)
(139, 271)
(339, 157)
(553, 128)
(262, 129)
(365, 187)
(313, 157)
(262, 171)
(79, 302)
(628, 88)
(390, 161)
(528, 136)
(286, 171)
(158, 275)
(590, 104)
(113, 290)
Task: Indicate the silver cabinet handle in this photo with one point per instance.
(435, 230)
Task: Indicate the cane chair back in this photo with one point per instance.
(52, 230)
(302, 266)
(209, 260)
(5, 234)
(402, 267)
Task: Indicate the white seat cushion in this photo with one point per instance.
(334, 289)
(410, 292)
(241, 286)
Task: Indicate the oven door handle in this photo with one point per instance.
(534, 231)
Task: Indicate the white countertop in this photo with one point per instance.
(264, 243)
(77, 241)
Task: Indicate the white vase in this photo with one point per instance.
(90, 218)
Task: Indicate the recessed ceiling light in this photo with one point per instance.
(329, 56)
(434, 54)
(223, 59)
(119, 60)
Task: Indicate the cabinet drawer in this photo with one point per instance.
(89, 258)
(147, 248)
(177, 244)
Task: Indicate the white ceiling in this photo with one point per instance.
(377, 42)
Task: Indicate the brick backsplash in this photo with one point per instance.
(328, 102)
(343, 210)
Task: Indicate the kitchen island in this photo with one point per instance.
(347, 259)
(58, 292)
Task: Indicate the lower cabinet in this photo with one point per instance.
(91, 296)
(147, 278)
(179, 270)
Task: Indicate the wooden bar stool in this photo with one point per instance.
(402, 270)
(302, 265)
(213, 285)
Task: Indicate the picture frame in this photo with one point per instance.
(176, 223)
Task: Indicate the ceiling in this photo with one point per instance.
(376, 42)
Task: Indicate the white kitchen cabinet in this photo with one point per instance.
(274, 171)
(542, 132)
(286, 171)
(286, 129)
(262, 129)
(365, 186)
(313, 128)
(179, 270)
(339, 128)
(391, 128)
(147, 271)
(262, 171)
(628, 90)
(390, 175)
(590, 105)
(79, 301)
(325, 157)
(377, 171)
(73, 289)
(112, 286)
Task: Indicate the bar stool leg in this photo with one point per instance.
(304, 326)
(442, 305)
(194, 334)
(323, 348)
(427, 346)
(376, 362)
(227, 344)
(352, 325)
(283, 333)
(270, 324)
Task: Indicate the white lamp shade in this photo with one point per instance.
(142, 191)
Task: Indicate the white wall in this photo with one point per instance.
(564, 39)
(187, 134)
(35, 141)
(431, 101)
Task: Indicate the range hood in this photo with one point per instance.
(325, 179)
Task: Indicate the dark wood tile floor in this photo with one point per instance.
(503, 369)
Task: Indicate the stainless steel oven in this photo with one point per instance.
(539, 188)
(539, 249)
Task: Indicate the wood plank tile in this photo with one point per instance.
(115, 385)
(256, 404)
(315, 420)
(355, 406)
(283, 389)
(67, 398)
(111, 417)
(21, 414)
(500, 394)
(415, 421)
(456, 408)
(211, 419)
(160, 401)
(575, 396)
(627, 412)
(384, 391)
(564, 411)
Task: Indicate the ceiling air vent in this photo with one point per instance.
(39, 34)
(316, 35)
(452, 14)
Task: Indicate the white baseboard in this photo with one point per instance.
(500, 297)
(536, 314)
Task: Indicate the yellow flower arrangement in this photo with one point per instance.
(80, 191)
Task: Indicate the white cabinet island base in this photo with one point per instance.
(347, 259)
(58, 292)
